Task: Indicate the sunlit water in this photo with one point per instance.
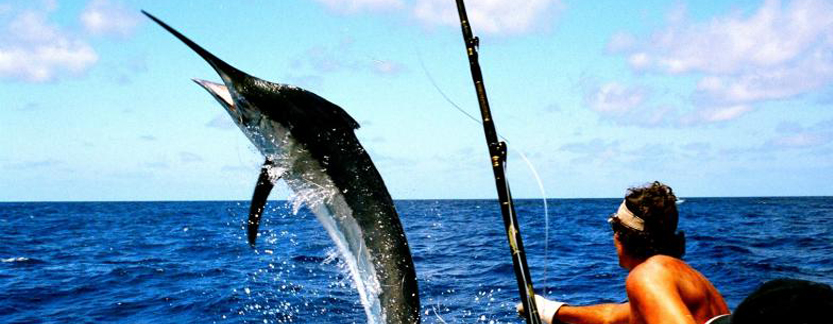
(188, 262)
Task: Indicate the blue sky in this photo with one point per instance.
(713, 98)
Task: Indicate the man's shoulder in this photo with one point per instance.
(659, 262)
(655, 268)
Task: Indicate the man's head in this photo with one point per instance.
(646, 222)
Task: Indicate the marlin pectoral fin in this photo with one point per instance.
(262, 189)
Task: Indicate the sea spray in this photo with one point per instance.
(323, 199)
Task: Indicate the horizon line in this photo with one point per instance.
(395, 200)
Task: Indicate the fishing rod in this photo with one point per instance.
(497, 151)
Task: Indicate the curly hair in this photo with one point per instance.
(656, 204)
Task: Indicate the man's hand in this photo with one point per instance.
(546, 309)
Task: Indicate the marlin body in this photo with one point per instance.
(310, 143)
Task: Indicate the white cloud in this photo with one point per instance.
(621, 41)
(614, 98)
(103, 17)
(778, 52)
(597, 152)
(614, 154)
(651, 116)
(724, 113)
(344, 57)
(814, 71)
(801, 140)
(627, 105)
(825, 125)
(770, 37)
(639, 61)
(793, 135)
(40, 164)
(350, 6)
(715, 114)
(697, 147)
(188, 157)
(496, 17)
(156, 165)
(36, 50)
(500, 17)
(386, 67)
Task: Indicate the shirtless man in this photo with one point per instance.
(661, 287)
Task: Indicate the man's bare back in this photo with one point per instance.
(664, 289)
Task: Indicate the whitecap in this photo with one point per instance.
(17, 259)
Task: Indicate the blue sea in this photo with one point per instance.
(188, 262)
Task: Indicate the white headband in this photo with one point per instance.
(628, 219)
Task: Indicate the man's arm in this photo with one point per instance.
(595, 314)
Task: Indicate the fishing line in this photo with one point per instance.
(519, 152)
(437, 314)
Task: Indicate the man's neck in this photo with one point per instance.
(629, 262)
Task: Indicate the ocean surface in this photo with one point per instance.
(188, 262)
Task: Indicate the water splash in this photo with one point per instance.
(313, 188)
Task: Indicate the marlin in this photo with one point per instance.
(310, 143)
